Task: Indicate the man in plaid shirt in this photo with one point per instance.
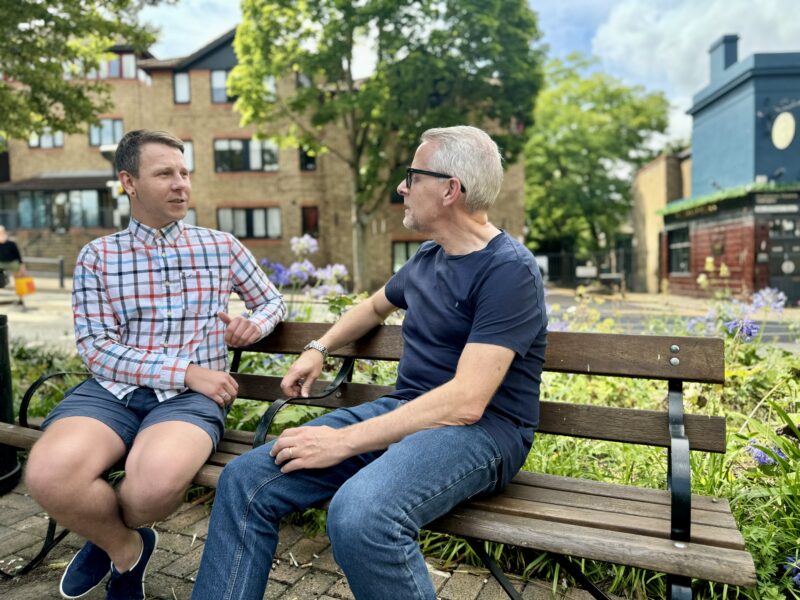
(151, 324)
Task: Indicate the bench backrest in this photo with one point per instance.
(669, 358)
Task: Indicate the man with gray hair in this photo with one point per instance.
(151, 326)
(459, 422)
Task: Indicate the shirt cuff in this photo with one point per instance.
(173, 373)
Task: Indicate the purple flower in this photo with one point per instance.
(792, 568)
(276, 272)
(303, 246)
(761, 457)
(324, 290)
(331, 273)
(557, 325)
(744, 328)
(771, 298)
(299, 272)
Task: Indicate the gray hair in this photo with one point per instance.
(126, 157)
(469, 154)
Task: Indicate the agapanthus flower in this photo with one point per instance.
(276, 272)
(792, 568)
(304, 246)
(326, 289)
(299, 272)
(557, 325)
(744, 328)
(771, 298)
(761, 457)
(331, 273)
(702, 325)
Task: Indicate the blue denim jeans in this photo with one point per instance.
(379, 502)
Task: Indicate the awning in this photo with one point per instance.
(59, 183)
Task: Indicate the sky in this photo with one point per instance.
(661, 45)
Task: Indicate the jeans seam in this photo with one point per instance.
(407, 514)
(242, 532)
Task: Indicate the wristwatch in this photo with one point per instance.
(315, 345)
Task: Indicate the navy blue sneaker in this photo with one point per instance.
(85, 571)
(130, 584)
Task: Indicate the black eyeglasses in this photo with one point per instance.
(410, 173)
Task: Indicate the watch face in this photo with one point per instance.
(783, 129)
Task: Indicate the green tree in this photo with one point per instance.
(44, 44)
(437, 63)
(591, 133)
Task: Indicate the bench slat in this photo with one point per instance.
(614, 490)
(724, 565)
(604, 517)
(640, 356)
(648, 427)
(587, 499)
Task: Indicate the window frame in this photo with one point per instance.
(406, 245)
(243, 222)
(679, 251)
(175, 99)
(228, 99)
(245, 164)
(99, 130)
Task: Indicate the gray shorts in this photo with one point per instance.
(138, 410)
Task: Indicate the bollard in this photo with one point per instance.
(10, 469)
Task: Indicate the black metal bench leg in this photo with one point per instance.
(497, 572)
(51, 540)
(579, 577)
(679, 588)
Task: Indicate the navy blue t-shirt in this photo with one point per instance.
(492, 296)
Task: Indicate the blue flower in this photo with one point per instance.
(744, 328)
(276, 272)
(761, 457)
(299, 272)
(771, 298)
(792, 568)
(303, 246)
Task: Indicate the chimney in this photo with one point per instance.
(723, 54)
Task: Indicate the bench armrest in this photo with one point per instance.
(34, 387)
(344, 374)
(679, 472)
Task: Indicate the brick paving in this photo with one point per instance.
(304, 569)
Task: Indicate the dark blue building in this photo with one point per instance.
(741, 226)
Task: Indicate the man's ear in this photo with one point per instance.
(453, 192)
(126, 179)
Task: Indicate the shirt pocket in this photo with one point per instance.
(200, 292)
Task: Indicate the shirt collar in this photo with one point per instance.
(149, 235)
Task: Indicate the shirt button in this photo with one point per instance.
(164, 345)
(169, 313)
(166, 284)
(163, 255)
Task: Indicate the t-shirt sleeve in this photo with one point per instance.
(395, 287)
(509, 308)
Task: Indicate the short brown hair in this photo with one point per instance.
(126, 157)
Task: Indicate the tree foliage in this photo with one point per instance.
(591, 133)
(41, 41)
(437, 63)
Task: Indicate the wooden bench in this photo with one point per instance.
(669, 530)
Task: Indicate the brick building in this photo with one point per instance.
(59, 190)
(736, 223)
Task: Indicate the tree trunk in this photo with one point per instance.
(358, 232)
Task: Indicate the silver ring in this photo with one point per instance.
(291, 453)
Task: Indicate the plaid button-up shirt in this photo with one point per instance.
(146, 301)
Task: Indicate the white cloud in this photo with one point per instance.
(663, 44)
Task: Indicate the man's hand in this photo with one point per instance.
(303, 372)
(239, 330)
(217, 385)
(310, 448)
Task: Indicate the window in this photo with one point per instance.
(128, 66)
(245, 155)
(47, 139)
(219, 87)
(181, 93)
(188, 154)
(310, 216)
(229, 155)
(678, 243)
(34, 210)
(302, 80)
(250, 222)
(8, 210)
(191, 217)
(401, 252)
(308, 160)
(114, 67)
(109, 131)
